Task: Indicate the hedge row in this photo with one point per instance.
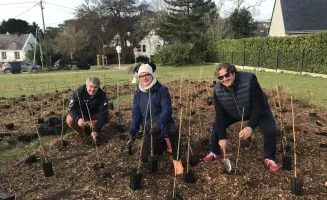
(270, 52)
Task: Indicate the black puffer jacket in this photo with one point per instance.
(96, 104)
(246, 92)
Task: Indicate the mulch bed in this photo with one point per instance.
(75, 178)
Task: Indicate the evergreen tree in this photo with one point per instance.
(242, 23)
(186, 21)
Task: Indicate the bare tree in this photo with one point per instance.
(250, 5)
(71, 41)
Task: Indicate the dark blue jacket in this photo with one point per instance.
(161, 108)
(97, 104)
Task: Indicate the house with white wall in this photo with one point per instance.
(14, 47)
(298, 17)
(150, 44)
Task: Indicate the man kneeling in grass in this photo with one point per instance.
(89, 98)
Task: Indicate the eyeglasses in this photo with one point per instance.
(145, 76)
(222, 77)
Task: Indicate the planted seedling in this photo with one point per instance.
(46, 164)
(296, 183)
(239, 144)
(152, 160)
(189, 175)
(63, 143)
(312, 113)
(136, 176)
(175, 195)
(99, 165)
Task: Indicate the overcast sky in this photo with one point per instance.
(56, 11)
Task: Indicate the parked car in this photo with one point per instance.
(18, 66)
(68, 64)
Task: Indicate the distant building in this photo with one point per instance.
(150, 44)
(14, 47)
(262, 27)
(298, 17)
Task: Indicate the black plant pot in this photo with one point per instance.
(287, 162)
(153, 163)
(31, 159)
(189, 177)
(7, 197)
(313, 114)
(209, 101)
(47, 169)
(98, 166)
(9, 126)
(135, 180)
(176, 196)
(297, 186)
(194, 159)
(40, 120)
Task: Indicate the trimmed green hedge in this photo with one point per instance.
(265, 52)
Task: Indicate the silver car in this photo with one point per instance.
(17, 67)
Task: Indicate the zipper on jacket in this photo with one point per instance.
(232, 92)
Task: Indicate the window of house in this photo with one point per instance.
(4, 55)
(17, 55)
(144, 48)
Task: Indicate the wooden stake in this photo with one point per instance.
(179, 139)
(239, 143)
(96, 148)
(293, 137)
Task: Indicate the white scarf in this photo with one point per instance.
(146, 89)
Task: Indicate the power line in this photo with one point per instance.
(26, 10)
(7, 4)
(59, 6)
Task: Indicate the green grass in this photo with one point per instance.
(13, 152)
(15, 85)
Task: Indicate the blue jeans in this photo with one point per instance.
(267, 126)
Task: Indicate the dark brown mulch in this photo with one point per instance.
(75, 177)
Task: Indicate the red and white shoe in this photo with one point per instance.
(210, 157)
(272, 165)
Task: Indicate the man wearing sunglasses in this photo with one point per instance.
(235, 91)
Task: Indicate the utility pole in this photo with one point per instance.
(37, 30)
(43, 33)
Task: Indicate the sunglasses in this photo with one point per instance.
(145, 76)
(222, 77)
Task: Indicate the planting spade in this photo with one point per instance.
(7, 197)
(135, 180)
(296, 183)
(226, 161)
(287, 162)
(47, 168)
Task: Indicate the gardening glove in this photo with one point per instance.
(179, 169)
(81, 122)
(245, 133)
(155, 130)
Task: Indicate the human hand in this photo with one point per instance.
(223, 145)
(155, 130)
(94, 135)
(245, 133)
(81, 122)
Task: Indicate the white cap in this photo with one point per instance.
(145, 68)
